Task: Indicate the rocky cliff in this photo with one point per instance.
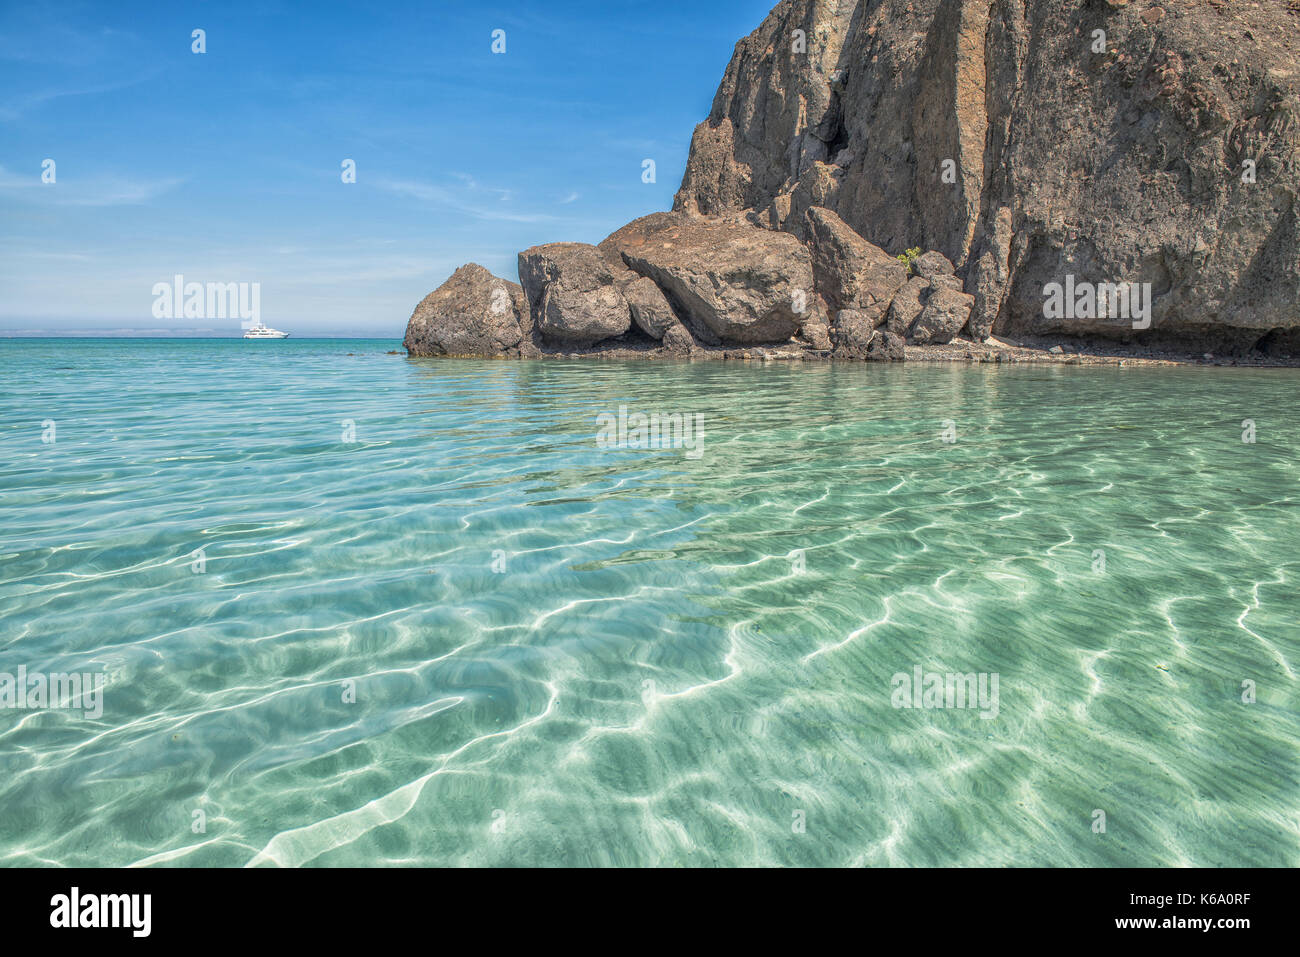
(1116, 141)
(1115, 169)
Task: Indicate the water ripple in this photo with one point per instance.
(470, 635)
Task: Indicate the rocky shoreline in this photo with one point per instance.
(1041, 352)
(1121, 154)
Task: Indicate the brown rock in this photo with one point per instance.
(573, 295)
(678, 341)
(473, 313)
(932, 265)
(907, 305)
(886, 347)
(852, 334)
(815, 325)
(650, 310)
(850, 272)
(949, 281)
(945, 313)
(732, 282)
(989, 276)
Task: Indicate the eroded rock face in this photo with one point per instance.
(573, 294)
(473, 313)
(850, 272)
(989, 275)
(994, 133)
(732, 282)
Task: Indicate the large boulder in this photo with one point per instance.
(650, 309)
(932, 265)
(907, 305)
(856, 337)
(886, 347)
(653, 315)
(852, 334)
(573, 294)
(850, 272)
(945, 314)
(732, 282)
(473, 313)
(1000, 135)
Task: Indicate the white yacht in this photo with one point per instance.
(259, 331)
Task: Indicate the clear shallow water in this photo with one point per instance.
(651, 679)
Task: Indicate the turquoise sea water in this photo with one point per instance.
(563, 653)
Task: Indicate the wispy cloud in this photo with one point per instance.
(436, 195)
(99, 191)
(119, 193)
(17, 105)
(505, 195)
(59, 61)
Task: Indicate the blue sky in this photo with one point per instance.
(225, 166)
